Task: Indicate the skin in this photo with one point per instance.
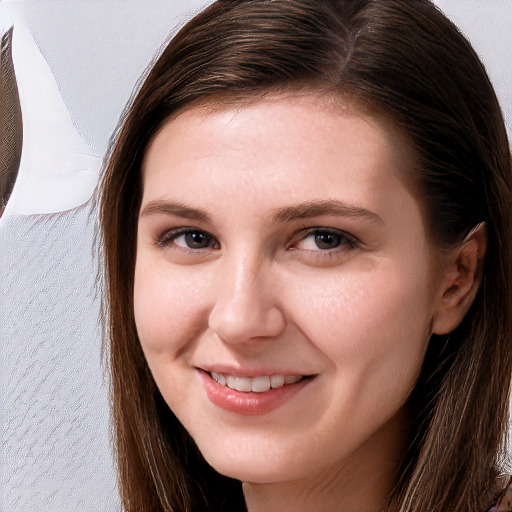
(264, 291)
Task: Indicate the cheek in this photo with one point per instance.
(372, 329)
(167, 308)
(369, 324)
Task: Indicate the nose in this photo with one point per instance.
(245, 306)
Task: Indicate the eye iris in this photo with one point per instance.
(325, 240)
(197, 240)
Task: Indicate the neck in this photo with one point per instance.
(362, 483)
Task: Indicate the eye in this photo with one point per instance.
(325, 239)
(188, 238)
(194, 240)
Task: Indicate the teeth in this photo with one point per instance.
(230, 382)
(276, 381)
(260, 384)
(292, 379)
(242, 384)
(219, 378)
(255, 384)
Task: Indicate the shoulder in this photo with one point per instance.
(504, 503)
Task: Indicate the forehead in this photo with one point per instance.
(316, 135)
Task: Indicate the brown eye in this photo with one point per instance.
(327, 240)
(197, 240)
(188, 238)
(323, 239)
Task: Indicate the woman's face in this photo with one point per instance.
(284, 285)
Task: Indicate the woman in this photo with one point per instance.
(306, 217)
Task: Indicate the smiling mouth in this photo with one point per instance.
(259, 384)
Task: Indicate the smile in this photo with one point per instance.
(252, 396)
(259, 384)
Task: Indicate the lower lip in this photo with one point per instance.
(250, 404)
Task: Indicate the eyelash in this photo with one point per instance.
(346, 240)
(171, 236)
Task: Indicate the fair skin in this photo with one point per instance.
(281, 240)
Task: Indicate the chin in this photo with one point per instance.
(254, 472)
(255, 463)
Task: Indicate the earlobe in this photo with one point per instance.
(462, 277)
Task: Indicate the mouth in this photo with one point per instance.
(252, 395)
(260, 384)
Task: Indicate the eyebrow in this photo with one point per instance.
(299, 211)
(324, 207)
(174, 208)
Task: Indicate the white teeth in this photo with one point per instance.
(219, 378)
(243, 384)
(255, 384)
(260, 384)
(276, 381)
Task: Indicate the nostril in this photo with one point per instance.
(256, 323)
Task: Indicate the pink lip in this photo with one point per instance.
(249, 404)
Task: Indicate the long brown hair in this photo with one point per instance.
(404, 59)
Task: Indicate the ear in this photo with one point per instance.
(462, 276)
